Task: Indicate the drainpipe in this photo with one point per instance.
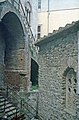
(48, 18)
(78, 65)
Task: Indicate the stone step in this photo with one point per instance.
(10, 110)
(1, 96)
(13, 113)
(1, 99)
(1, 103)
(7, 105)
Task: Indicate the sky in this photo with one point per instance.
(63, 4)
(60, 4)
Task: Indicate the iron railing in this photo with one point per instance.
(19, 102)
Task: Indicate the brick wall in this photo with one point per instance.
(2, 66)
(15, 59)
(16, 79)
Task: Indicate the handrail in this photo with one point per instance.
(5, 98)
(23, 105)
(11, 96)
(24, 102)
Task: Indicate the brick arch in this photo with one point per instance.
(70, 89)
(13, 24)
(13, 50)
(10, 9)
(67, 70)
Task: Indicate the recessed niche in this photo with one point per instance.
(75, 80)
(75, 90)
(69, 89)
(69, 80)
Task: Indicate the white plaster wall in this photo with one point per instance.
(56, 19)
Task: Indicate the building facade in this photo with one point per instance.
(30, 9)
(17, 33)
(18, 63)
(52, 14)
(58, 74)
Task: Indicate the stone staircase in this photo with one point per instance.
(13, 106)
(7, 109)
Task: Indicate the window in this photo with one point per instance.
(70, 90)
(38, 35)
(39, 28)
(69, 80)
(39, 32)
(75, 80)
(39, 4)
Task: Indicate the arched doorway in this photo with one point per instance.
(12, 48)
(34, 73)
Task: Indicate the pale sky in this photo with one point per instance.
(63, 4)
(60, 4)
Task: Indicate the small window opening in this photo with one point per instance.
(69, 89)
(70, 81)
(39, 4)
(39, 31)
(21, 59)
(75, 80)
(75, 90)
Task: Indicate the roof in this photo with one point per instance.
(62, 31)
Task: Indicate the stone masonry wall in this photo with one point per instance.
(15, 59)
(2, 66)
(13, 55)
(54, 58)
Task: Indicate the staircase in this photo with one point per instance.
(7, 109)
(14, 107)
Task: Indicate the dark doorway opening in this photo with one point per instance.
(12, 49)
(34, 73)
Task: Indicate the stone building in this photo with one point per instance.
(58, 74)
(17, 50)
(18, 63)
